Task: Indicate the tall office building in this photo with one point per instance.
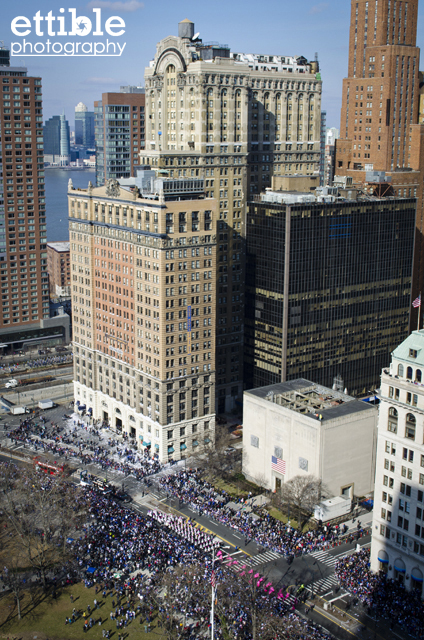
(24, 309)
(379, 128)
(323, 134)
(57, 148)
(327, 287)
(236, 119)
(143, 302)
(397, 547)
(119, 133)
(84, 126)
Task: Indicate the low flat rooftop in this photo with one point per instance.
(60, 246)
(308, 398)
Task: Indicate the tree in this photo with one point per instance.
(185, 595)
(302, 493)
(42, 511)
(214, 457)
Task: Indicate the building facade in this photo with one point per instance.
(380, 128)
(24, 311)
(84, 126)
(59, 269)
(328, 284)
(143, 304)
(397, 546)
(57, 148)
(235, 119)
(301, 428)
(119, 133)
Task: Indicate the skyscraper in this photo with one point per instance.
(119, 133)
(327, 287)
(143, 302)
(84, 126)
(24, 309)
(379, 129)
(235, 119)
(57, 141)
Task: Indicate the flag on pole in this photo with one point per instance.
(213, 580)
(417, 302)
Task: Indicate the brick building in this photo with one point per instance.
(58, 268)
(119, 133)
(143, 273)
(381, 142)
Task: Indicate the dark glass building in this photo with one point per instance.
(327, 288)
(84, 126)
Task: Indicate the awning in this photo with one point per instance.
(77, 403)
(82, 407)
(383, 557)
(416, 575)
(183, 446)
(399, 565)
(207, 440)
(171, 449)
(157, 447)
(147, 444)
(90, 410)
(195, 443)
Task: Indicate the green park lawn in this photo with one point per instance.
(46, 620)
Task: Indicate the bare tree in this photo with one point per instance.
(215, 457)
(42, 511)
(302, 493)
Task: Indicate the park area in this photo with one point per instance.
(44, 616)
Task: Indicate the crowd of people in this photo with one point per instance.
(45, 437)
(189, 487)
(127, 555)
(35, 363)
(382, 596)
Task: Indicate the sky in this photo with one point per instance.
(279, 27)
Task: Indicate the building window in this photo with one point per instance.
(410, 426)
(400, 370)
(393, 420)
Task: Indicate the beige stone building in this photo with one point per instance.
(143, 274)
(235, 119)
(301, 428)
(398, 529)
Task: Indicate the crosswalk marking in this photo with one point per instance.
(324, 557)
(263, 558)
(325, 584)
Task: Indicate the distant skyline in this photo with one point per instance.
(271, 27)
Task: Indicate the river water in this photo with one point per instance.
(57, 199)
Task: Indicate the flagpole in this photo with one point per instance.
(213, 595)
(419, 313)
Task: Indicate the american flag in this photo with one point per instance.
(417, 302)
(213, 580)
(278, 465)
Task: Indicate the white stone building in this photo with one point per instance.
(312, 430)
(398, 525)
